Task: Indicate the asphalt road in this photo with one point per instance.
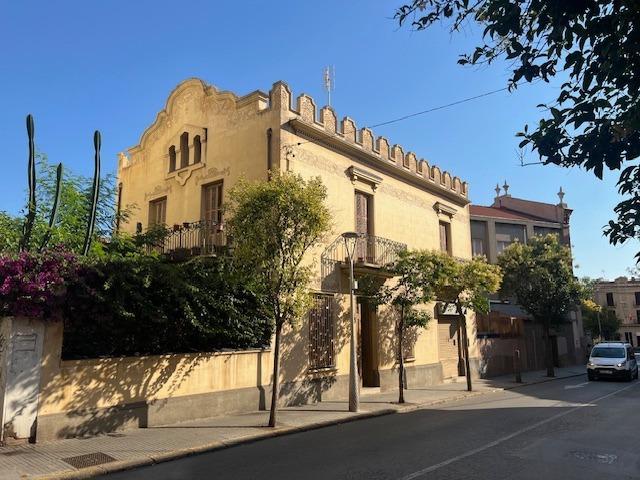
(564, 429)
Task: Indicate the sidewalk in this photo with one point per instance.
(122, 450)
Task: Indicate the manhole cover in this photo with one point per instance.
(89, 460)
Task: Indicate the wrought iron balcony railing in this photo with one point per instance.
(370, 251)
(192, 239)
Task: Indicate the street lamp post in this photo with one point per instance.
(350, 241)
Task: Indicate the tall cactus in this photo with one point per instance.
(54, 209)
(95, 193)
(31, 212)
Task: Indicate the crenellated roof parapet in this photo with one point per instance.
(323, 125)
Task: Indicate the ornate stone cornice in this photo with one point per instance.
(356, 173)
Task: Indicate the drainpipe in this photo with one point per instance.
(269, 160)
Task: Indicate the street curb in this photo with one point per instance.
(124, 465)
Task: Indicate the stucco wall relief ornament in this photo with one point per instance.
(157, 191)
(211, 173)
(182, 175)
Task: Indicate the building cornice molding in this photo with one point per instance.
(443, 209)
(371, 159)
(356, 173)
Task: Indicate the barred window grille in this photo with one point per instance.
(321, 333)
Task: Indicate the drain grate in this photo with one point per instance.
(89, 460)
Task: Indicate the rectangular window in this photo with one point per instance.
(637, 294)
(212, 203)
(364, 226)
(445, 237)
(321, 333)
(610, 302)
(478, 238)
(158, 212)
(637, 316)
(211, 232)
(507, 233)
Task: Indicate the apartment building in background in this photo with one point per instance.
(508, 327)
(622, 295)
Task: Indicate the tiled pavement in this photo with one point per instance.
(155, 444)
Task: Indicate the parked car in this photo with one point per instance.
(612, 360)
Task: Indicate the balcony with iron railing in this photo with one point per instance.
(192, 239)
(371, 254)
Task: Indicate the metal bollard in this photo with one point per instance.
(517, 367)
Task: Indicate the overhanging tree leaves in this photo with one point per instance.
(539, 276)
(467, 285)
(595, 120)
(273, 225)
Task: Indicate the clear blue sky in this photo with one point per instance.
(81, 65)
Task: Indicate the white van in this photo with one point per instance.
(612, 360)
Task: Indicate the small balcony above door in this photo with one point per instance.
(372, 254)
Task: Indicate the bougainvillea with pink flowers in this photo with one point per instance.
(33, 284)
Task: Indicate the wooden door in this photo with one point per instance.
(211, 216)
(368, 346)
(448, 346)
(363, 225)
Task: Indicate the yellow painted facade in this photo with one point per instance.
(244, 137)
(409, 203)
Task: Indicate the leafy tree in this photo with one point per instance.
(416, 274)
(540, 277)
(593, 45)
(273, 225)
(467, 285)
(10, 232)
(75, 201)
(596, 319)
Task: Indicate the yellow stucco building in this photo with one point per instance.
(205, 140)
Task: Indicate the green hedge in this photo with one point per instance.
(142, 305)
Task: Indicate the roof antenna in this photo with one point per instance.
(329, 82)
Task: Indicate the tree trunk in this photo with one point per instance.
(401, 358)
(465, 346)
(548, 351)
(276, 376)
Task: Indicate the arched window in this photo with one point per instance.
(184, 150)
(197, 149)
(172, 158)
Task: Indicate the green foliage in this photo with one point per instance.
(74, 203)
(415, 276)
(594, 318)
(595, 120)
(273, 225)
(539, 275)
(467, 284)
(129, 303)
(10, 232)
